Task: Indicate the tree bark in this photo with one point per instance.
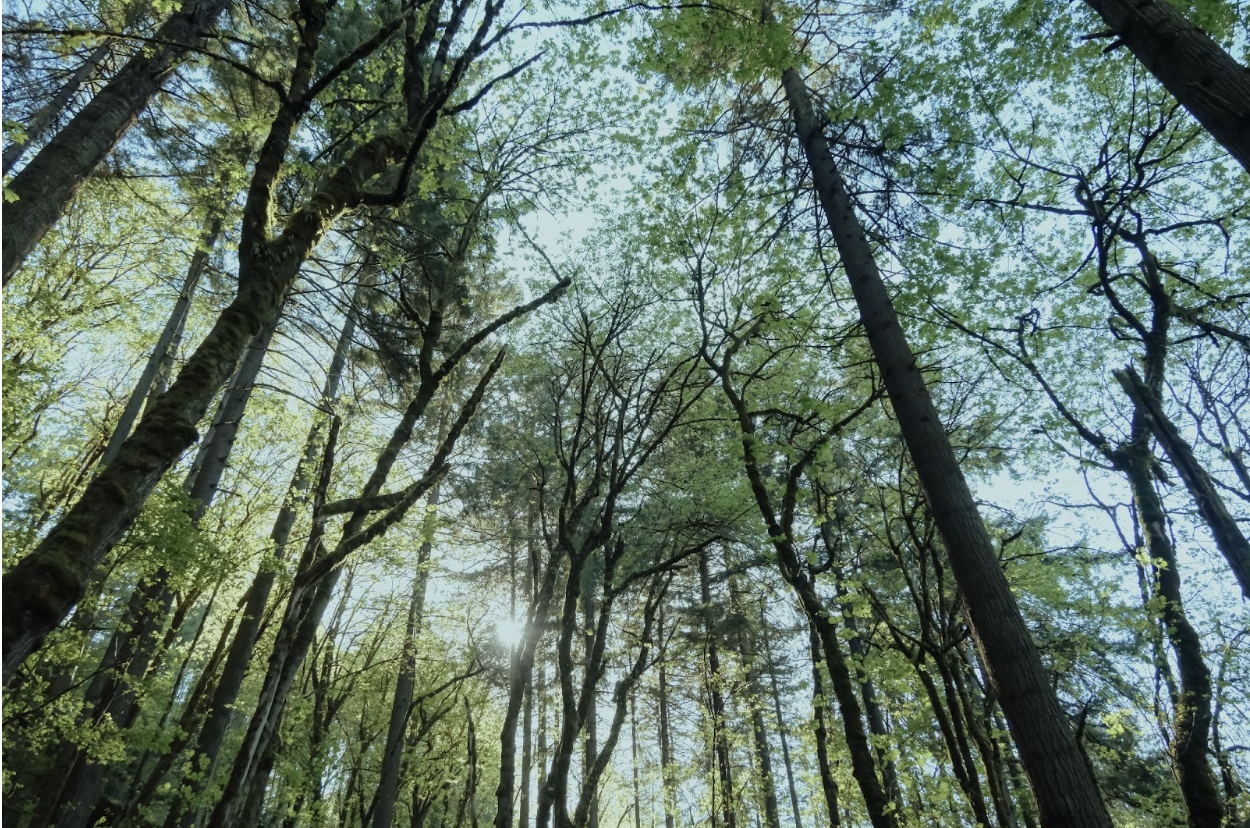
(49, 182)
(720, 738)
(221, 707)
(46, 115)
(828, 785)
(666, 739)
(42, 588)
(1191, 715)
(1228, 536)
(392, 753)
(162, 353)
(1066, 791)
(1204, 78)
(781, 728)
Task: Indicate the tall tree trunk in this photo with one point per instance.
(1204, 78)
(666, 740)
(720, 738)
(1191, 715)
(781, 727)
(44, 117)
(42, 588)
(755, 699)
(1063, 783)
(221, 706)
(1228, 535)
(828, 785)
(161, 357)
(148, 610)
(633, 759)
(49, 182)
(591, 744)
(522, 668)
(392, 753)
(527, 751)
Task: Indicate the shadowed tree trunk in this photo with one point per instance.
(828, 785)
(1062, 781)
(49, 182)
(44, 117)
(1206, 80)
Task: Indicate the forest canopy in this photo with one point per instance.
(580, 415)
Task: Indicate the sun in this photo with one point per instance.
(509, 631)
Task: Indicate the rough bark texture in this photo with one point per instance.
(1202, 76)
(46, 185)
(1063, 784)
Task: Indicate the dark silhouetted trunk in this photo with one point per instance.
(1062, 781)
(828, 785)
(44, 117)
(666, 739)
(1204, 78)
(726, 799)
(49, 182)
(150, 383)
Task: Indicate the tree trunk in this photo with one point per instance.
(781, 728)
(828, 784)
(46, 185)
(161, 357)
(46, 115)
(221, 707)
(1228, 536)
(720, 739)
(1191, 715)
(666, 739)
(392, 754)
(1063, 783)
(1204, 78)
(42, 588)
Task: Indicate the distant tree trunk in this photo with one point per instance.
(1228, 535)
(828, 785)
(755, 700)
(44, 117)
(666, 739)
(1204, 78)
(542, 742)
(1063, 783)
(221, 706)
(720, 739)
(527, 751)
(591, 744)
(521, 672)
(161, 358)
(392, 754)
(1191, 716)
(49, 182)
(781, 727)
(876, 716)
(633, 759)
